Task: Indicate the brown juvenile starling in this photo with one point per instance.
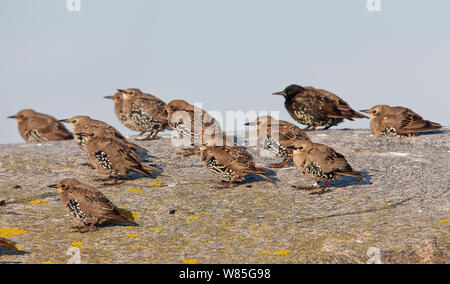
(6, 243)
(315, 107)
(39, 127)
(321, 163)
(87, 203)
(277, 135)
(195, 125)
(230, 163)
(85, 124)
(390, 121)
(113, 157)
(140, 112)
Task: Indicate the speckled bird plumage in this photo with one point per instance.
(114, 157)
(390, 121)
(195, 125)
(320, 162)
(38, 127)
(315, 107)
(87, 204)
(229, 163)
(277, 135)
(87, 125)
(140, 112)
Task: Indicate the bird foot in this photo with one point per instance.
(280, 165)
(187, 152)
(83, 229)
(226, 185)
(88, 165)
(320, 192)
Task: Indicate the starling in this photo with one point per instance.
(230, 163)
(321, 163)
(195, 125)
(6, 243)
(39, 127)
(113, 157)
(315, 107)
(87, 203)
(84, 124)
(277, 135)
(393, 121)
(140, 112)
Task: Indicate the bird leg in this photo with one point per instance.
(323, 190)
(308, 128)
(151, 136)
(283, 164)
(88, 165)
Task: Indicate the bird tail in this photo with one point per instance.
(146, 169)
(261, 172)
(352, 174)
(136, 147)
(5, 242)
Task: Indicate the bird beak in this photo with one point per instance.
(120, 90)
(365, 110)
(291, 147)
(12, 116)
(81, 134)
(64, 120)
(249, 124)
(52, 186)
(282, 93)
(109, 97)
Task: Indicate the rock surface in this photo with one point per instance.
(399, 214)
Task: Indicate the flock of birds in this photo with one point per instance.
(110, 153)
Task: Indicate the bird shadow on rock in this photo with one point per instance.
(345, 181)
(252, 178)
(145, 156)
(437, 131)
(11, 250)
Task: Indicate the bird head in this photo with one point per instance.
(290, 91)
(77, 121)
(262, 120)
(65, 184)
(177, 105)
(300, 146)
(23, 115)
(375, 111)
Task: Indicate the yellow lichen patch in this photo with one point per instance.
(7, 232)
(266, 251)
(192, 217)
(133, 236)
(156, 183)
(444, 221)
(126, 213)
(190, 261)
(49, 262)
(135, 190)
(282, 252)
(77, 244)
(38, 202)
(87, 247)
(157, 229)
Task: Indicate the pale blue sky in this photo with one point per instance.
(228, 54)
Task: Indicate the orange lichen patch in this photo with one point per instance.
(190, 261)
(49, 262)
(156, 183)
(282, 252)
(38, 202)
(135, 190)
(7, 232)
(77, 244)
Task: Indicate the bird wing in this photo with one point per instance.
(329, 160)
(412, 122)
(48, 127)
(153, 106)
(235, 158)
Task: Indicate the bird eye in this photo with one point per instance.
(74, 121)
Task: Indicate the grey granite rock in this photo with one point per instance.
(182, 217)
